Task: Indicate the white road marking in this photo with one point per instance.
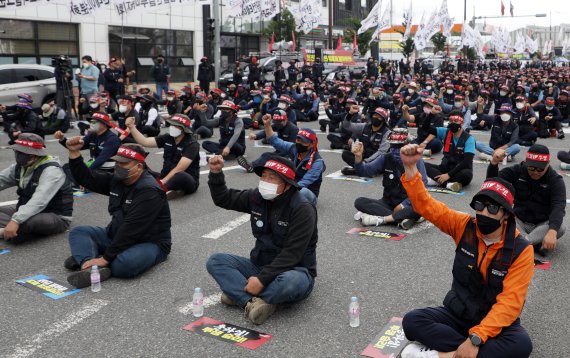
(225, 169)
(219, 232)
(11, 202)
(57, 329)
(418, 228)
(335, 174)
(208, 302)
(52, 140)
(331, 151)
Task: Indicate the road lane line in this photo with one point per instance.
(225, 169)
(57, 329)
(209, 301)
(11, 202)
(221, 231)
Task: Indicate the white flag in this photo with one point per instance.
(433, 25)
(419, 40)
(519, 44)
(253, 9)
(372, 18)
(307, 15)
(445, 19)
(409, 17)
(383, 24)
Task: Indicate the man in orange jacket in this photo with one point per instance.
(492, 270)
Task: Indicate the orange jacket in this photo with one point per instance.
(515, 285)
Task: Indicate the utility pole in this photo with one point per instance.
(330, 24)
(216, 44)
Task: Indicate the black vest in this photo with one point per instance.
(501, 135)
(120, 199)
(60, 204)
(394, 192)
(270, 225)
(470, 297)
(227, 128)
(371, 140)
(302, 170)
(173, 154)
(452, 153)
(96, 143)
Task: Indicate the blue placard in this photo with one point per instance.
(49, 287)
(4, 251)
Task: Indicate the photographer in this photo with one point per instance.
(63, 75)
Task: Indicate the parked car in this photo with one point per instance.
(37, 80)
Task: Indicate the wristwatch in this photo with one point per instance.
(475, 339)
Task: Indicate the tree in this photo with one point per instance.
(438, 41)
(362, 40)
(407, 46)
(282, 25)
(471, 54)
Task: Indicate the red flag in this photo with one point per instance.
(512, 8)
(354, 44)
(502, 8)
(270, 46)
(294, 42)
(339, 43)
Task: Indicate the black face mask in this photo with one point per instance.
(278, 124)
(396, 102)
(301, 148)
(486, 224)
(454, 127)
(22, 158)
(145, 105)
(121, 173)
(377, 122)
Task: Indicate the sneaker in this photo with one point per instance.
(455, 186)
(509, 158)
(358, 215)
(244, 164)
(418, 350)
(226, 300)
(485, 156)
(348, 171)
(173, 194)
(560, 135)
(420, 220)
(258, 311)
(406, 224)
(565, 166)
(82, 279)
(71, 264)
(427, 153)
(371, 220)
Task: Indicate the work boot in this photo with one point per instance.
(82, 279)
(244, 164)
(348, 171)
(226, 300)
(560, 134)
(406, 224)
(258, 311)
(71, 264)
(371, 220)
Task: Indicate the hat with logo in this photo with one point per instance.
(130, 152)
(30, 143)
(280, 165)
(181, 120)
(498, 190)
(538, 156)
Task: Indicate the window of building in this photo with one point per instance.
(139, 47)
(34, 42)
(348, 5)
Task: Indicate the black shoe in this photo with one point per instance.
(174, 194)
(71, 264)
(407, 224)
(560, 135)
(244, 164)
(82, 279)
(348, 171)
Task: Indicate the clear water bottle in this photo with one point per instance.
(198, 302)
(95, 279)
(354, 312)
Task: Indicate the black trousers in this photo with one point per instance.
(182, 181)
(439, 329)
(216, 148)
(463, 177)
(380, 207)
(39, 225)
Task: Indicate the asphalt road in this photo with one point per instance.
(143, 317)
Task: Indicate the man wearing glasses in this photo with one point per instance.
(540, 198)
(492, 270)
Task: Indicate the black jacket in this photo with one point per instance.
(285, 228)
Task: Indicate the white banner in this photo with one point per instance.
(531, 45)
(372, 18)
(501, 40)
(307, 15)
(409, 18)
(253, 9)
(445, 19)
(86, 7)
(383, 24)
(519, 44)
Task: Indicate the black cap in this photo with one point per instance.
(280, 165)
(498, 190)
(538, 156)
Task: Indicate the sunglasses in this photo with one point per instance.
(535, 169)
(491, 208)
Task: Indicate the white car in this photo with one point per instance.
(36, 80)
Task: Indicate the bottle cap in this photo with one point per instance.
(354, 299)
(94, 267)
(197, 290)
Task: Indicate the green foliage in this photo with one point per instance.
(362, 40)
(438, 41)
(407, 47)
(284, 24)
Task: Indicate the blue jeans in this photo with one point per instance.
(88, 242)
(512, 150)
(161, 87)
(231, 273)
(309, 195)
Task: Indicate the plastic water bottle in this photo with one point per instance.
(95, 279)
(354, 312)
(198, 302)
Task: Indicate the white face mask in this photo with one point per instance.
(549, 85)
(505, 117)
(458, 104)
(549, 108)
(94, 105)
(123, 108)
(267, 190)
(503, 93)
(412, 91)
(427, 110)
(449, 91)
(520, 105)
(174, 131)
(428, 88)
(86, 65)
(281, 105)
(95, 127)
(170, 98)
(309, 92)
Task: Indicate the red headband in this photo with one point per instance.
(30, 144)
(398, 136)
(277, 117)
(180, 120)
(538, 157)
(456, 118)
(130, 154)
(306, 134)
(499, 189)
(280, 168)
(101, 116)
